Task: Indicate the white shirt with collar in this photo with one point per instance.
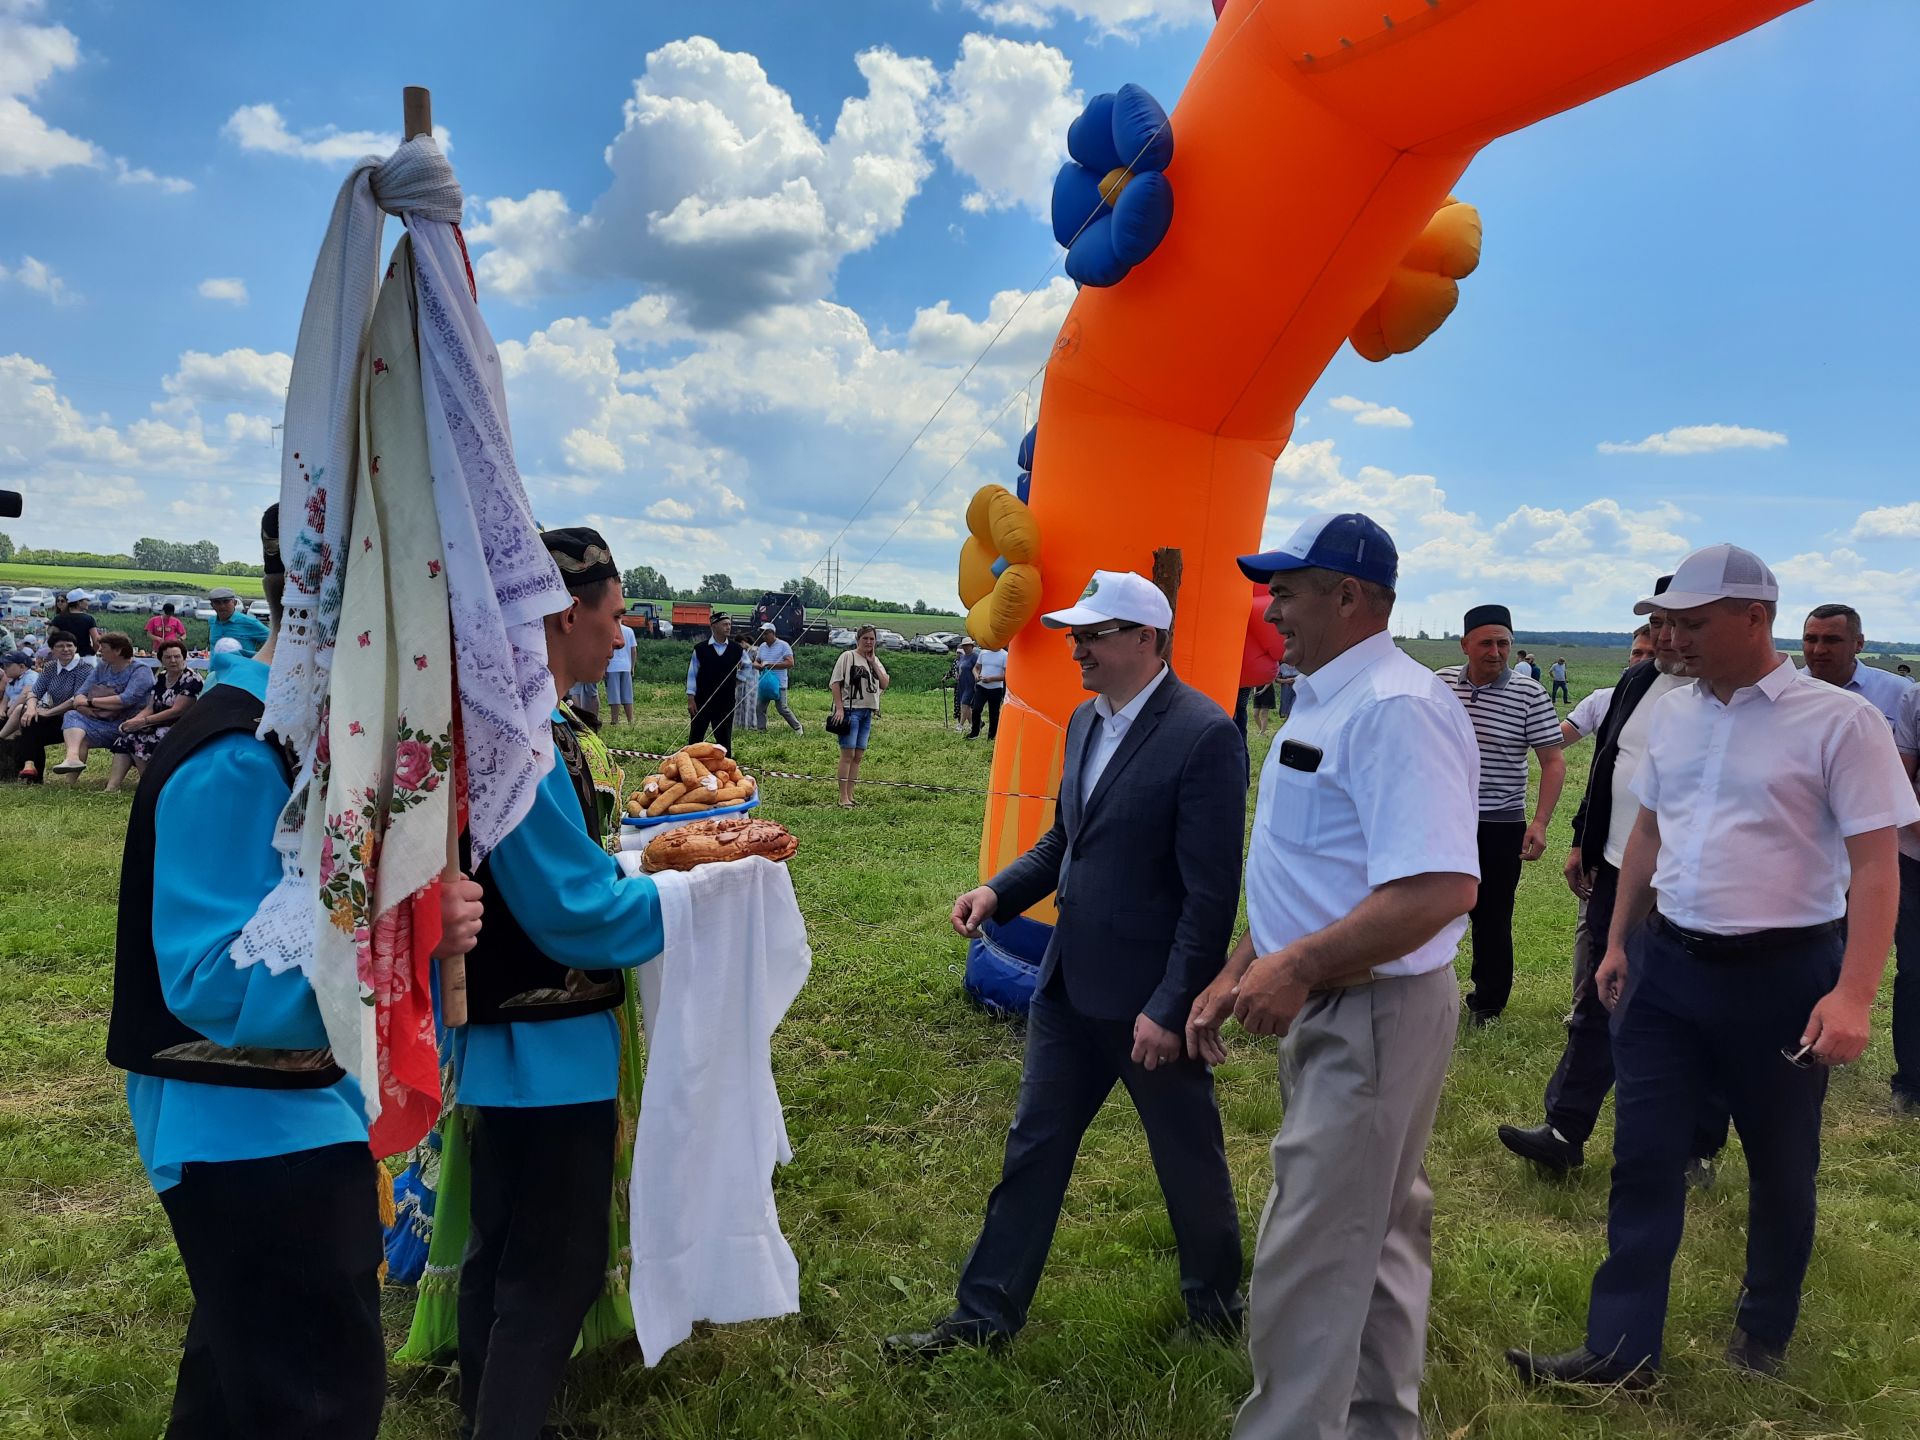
(1394, 794)
(1587, 715)
(1882, 687)
(1906, 739)
(1109, 729)
(1757, 798)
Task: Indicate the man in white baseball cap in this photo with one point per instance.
(1145, 877)
(1763, 863)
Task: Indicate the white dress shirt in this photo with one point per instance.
(1394, 794)
(1630, 751)
(1757, 798)
(1109, 729)
(1882, 687)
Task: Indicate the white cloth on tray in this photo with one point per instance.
(706, 1235)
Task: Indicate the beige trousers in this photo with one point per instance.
(1343, 1267)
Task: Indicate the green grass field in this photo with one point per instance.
(65, 577)
(897, 1095)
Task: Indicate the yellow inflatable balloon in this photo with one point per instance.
(1003, 529)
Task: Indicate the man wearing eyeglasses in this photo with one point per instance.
(1764, 848)
(1143, 864)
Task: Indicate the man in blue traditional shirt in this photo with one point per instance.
(538, 1060)
(253, 1137)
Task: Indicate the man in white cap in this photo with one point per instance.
(1142, 861)
(1764, 848)
(1363, 866)
(231, 622)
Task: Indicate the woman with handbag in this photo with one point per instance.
(858, 680)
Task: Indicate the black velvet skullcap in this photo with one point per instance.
(1487, 615)
(581, 553)
(270, 541)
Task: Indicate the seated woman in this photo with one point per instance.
(174, 689)
(117, 688)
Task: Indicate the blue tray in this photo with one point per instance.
(646, 822)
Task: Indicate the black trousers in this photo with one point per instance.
(284, 1258)
(1585, 1073)
(30, 744)
(1560, 691)
(1072, 1061)
(714, 717)
(536, 1258)
(1492, 915)
(1688, 1024)
(1906, 984)
(986, 706)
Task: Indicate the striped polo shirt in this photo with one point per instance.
(1510, 717)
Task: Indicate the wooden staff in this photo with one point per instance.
(416, 106)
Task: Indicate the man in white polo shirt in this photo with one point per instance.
(1511, 716)
(1769, 804)
(1359, 879)
(1831, 640)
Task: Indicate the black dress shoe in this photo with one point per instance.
(947, 1335)
(1213, 1330)
(1759, 1357)
(1579, 1367)
(1544, 1147)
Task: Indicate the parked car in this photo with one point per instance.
(260, 610)
(182, 604)
(842, 637)
(202, 611)
(929, 645)
(890, 640)
(30, 600)
(127, 604)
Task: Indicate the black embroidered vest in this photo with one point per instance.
(143, 1035)
(509, 978)
(713, 674)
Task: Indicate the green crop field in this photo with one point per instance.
(89, 577)
(897, 1096)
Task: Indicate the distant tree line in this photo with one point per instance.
(647, 583)
(196, 557)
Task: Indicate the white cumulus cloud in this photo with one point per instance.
(1002, 120)
(244, 379)
(721, 193)
(39, 277)
(1365, 412)
(31, 53)
(227, 288)
(1889, 522)
(1020, 328)
(1696, 440)
(262, 128)
(1125, 18)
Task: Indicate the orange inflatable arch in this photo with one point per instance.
(1169, 396)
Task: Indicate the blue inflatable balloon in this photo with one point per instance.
(1025, 461)
(1106, 235)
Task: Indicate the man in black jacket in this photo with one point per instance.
(1600, 828)
(1143, 861)
(711, 676)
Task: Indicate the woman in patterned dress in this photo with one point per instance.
(174, 689)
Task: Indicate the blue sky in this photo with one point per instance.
(726, 303)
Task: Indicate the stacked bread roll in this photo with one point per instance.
(692, 779)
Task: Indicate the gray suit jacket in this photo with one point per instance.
(1147, 867)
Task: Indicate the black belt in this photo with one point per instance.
(1714, 947)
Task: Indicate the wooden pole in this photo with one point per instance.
(416, 106)
(1167, 568)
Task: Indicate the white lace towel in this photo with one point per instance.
(316, 464)
(501, 580)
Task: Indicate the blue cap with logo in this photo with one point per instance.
(1350, 543)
